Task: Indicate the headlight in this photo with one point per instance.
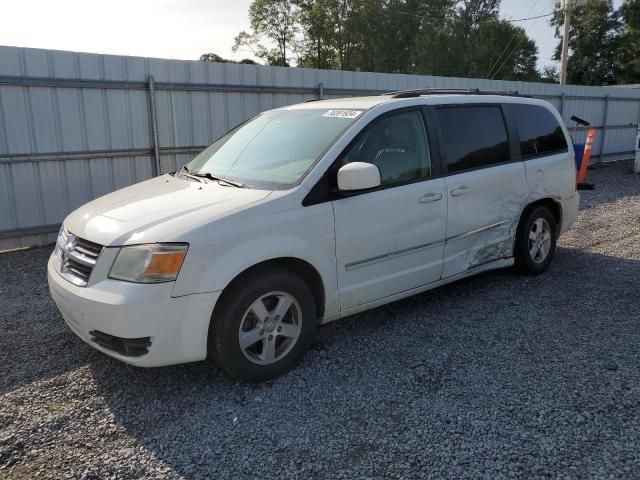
(57, 251)
(153, 263)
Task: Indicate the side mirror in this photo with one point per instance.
(358, 176)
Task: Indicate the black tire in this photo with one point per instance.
(524, 262)
(223, 341)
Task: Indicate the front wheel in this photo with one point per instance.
(535, 241)
(263, 326)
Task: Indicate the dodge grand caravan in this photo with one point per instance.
(309, 213)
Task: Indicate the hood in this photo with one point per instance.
(122, 217)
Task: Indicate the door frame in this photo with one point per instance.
(512, 133)
(325, 189)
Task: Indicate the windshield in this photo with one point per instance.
(275, 149)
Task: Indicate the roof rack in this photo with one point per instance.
(446, 91)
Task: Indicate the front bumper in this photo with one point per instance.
(177, 327)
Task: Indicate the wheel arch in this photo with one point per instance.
(302, 268)
(554, 206)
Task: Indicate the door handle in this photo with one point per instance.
(430, 197)
(459, 191)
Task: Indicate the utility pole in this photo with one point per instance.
(565, 41)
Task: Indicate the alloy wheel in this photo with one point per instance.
(539, 240)
(270, 328)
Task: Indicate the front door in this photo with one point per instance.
(391, 239)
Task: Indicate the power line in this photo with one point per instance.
(495, 64)
(508, 57)
(493, 20)
(513, 37)
(531, 18)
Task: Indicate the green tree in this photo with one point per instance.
(503, 51)
(275, 20)
(349, 23)
(629, 45)
(480, 45)
(436, 37)
(474, 12)
(389, 32)
(213, 57)
(316, 49)
(550, 74)
(434, 49)
(593, 42)
(333, 32)
(471, 15)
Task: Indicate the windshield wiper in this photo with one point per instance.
(187, 173)
(219, 179)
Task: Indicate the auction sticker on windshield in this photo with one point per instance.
(342, 113)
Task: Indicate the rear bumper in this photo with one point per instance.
(176, 328)
(570, 208)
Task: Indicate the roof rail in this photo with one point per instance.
(447, 91)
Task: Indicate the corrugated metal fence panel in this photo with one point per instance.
(50, 118)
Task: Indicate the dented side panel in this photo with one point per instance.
(554, 176)
(481, 223)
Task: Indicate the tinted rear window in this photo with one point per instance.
(472, 137)
(539, 131)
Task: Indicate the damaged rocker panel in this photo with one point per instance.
(407, 251)
(477, 230)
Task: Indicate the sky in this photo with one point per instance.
(180, 29)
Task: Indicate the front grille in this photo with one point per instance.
(77, 257)
(129, 347)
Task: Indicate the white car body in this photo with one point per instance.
(366, 250)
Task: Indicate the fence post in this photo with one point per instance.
(604, 127)
(154, 127)
(321, 91)
(636, 160)
(562, 105)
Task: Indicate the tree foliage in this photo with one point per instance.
(593, 43)
(316, 48)
(489, 47)
(334, 33)
(629, 45)
(438, 37)
(213, 57)
(550, 74)
(464, 38)
(275, 20)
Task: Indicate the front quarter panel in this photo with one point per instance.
(279, 228)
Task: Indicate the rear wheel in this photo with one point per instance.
(535, 241)
(263, 326)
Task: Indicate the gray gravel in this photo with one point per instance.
(493, 377)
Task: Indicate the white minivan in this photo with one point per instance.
(310, 213)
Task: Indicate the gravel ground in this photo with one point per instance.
(496, 376)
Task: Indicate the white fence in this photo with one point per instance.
(74, 126)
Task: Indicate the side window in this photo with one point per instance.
(539, 131)
(397, 145)
(472, 136)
